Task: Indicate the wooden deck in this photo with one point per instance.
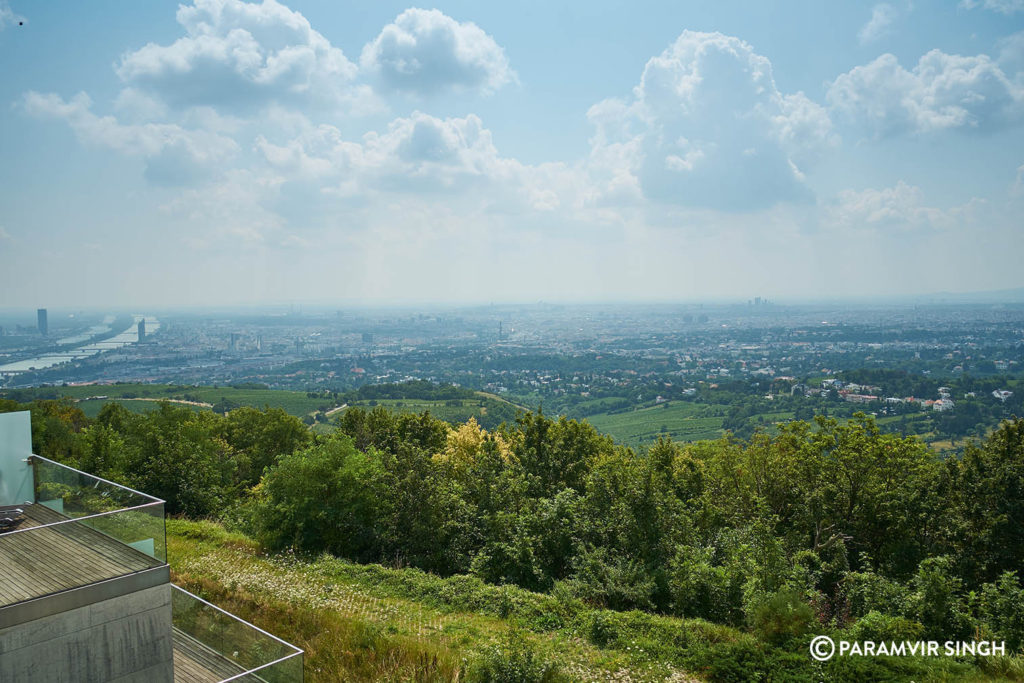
(44, 561)
(197, 663)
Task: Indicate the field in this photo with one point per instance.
(674, 419)
(679, 420)
(296, 403)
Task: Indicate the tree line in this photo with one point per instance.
(823, 525)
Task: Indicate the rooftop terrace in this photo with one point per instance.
(78, 539)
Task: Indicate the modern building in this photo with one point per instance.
(41, 323)
(142, 330)
(85, 590)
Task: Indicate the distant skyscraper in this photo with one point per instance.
(142, 330)
(41, 320)
(259, 342)
(234, 341)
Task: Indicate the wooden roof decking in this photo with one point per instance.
(39, 562)
(197, 663)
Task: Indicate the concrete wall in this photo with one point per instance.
(15, 446)
(121, 640)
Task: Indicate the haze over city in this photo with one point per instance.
(230, 153)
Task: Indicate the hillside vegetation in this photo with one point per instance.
(718, 559)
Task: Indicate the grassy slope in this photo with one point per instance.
(367, 622)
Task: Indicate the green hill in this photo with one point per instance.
(370, 623)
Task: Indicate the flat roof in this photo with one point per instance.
(35, 562)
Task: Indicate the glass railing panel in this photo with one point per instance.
(231, 647)
(126, 515)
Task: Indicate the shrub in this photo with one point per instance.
(741, 661)
(1001, 609)
(513, 660)
(607, 579)
(870, 592)
(783, 617)
(883, 627)
(701, 589)
(937, 600)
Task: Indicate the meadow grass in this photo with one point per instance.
(370, 622)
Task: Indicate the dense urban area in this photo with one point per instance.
(944, 372)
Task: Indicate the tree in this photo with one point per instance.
(328, 496)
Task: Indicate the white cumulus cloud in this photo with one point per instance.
(427, 52)
(941, 92)
(708, 127)
(244, 55)
(882, 17)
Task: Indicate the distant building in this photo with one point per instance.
(142, 330)
(943, 404)
(1002, 394)
(367, 337)
(44, 328)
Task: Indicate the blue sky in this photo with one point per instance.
(225, 152)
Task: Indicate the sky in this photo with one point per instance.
(224, 152)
